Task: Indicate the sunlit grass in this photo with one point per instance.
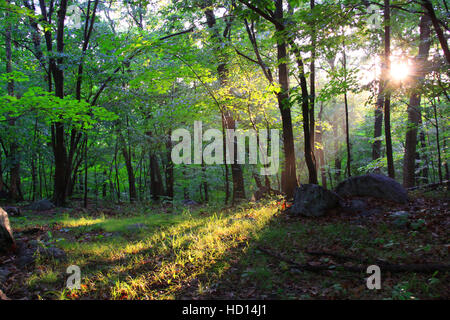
(157, 260)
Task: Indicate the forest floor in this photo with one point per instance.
(242, 252)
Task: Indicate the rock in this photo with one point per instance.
(189, 202)
(358, 205)
(373, 185)
(42, 205)
(371, 212)
(400, 214)
(28, 252)
(25, 252)
(13, 211)
(313, 201)
(400, 218)
(7, 243)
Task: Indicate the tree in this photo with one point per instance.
(387, 97)
(414, 110)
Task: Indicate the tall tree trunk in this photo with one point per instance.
(58, 131)
(14, 173)
(289, 175)
(33, 164)
(116, 167)
(414, 110)
(387, 98)
(308, 147)
(312, 83)
(347, 127)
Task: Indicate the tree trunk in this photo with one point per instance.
(320, 151)
(437, 143)
(387, 98)
(58, 132)
(337, 157)
(424, 155)
(129, 166)
(305, 101)
(14, 173)
(414, 110)
(169, 170)
(378, 123)
(85, 200)
(347, 127)
(312, 84)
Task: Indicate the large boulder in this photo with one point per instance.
(41, 205)
(373, 185)
(189, 202)
(313, 201)
(7, 243)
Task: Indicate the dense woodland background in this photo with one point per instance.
(91, 91)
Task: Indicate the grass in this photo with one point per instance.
(213, 253)
(156, 261)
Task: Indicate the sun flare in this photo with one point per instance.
(399, 70)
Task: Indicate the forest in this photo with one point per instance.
(224, 149)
